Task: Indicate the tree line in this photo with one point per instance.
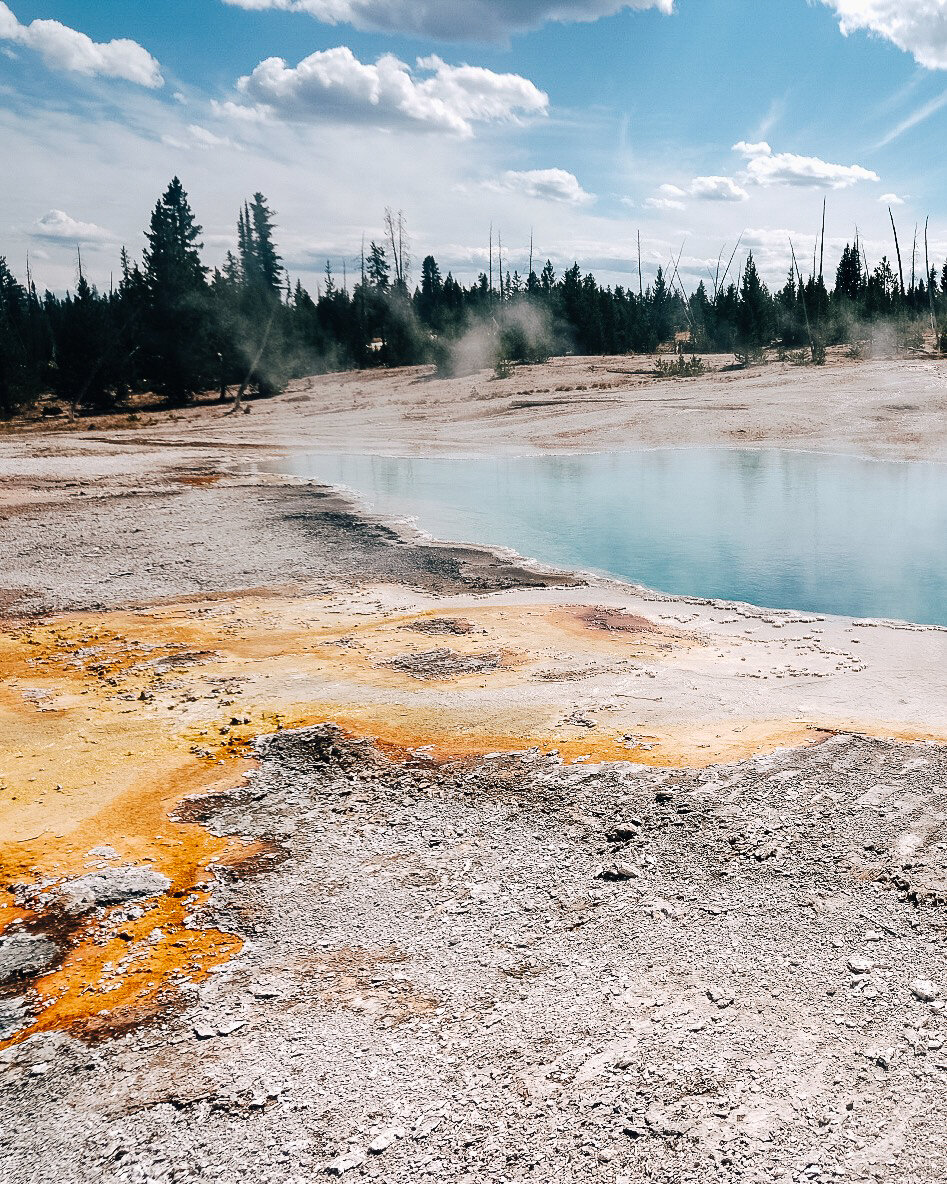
(173, 327)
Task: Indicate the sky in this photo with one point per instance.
(579, 122)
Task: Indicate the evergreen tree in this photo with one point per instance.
(662, 324)
(178, 348)
(754, 328)
(431, 291)
(377, 267)
(16, 387)
(848, 277)
(266, 265)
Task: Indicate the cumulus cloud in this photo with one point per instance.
(668, 197)
(717, 189)
(544, 185)
(63, 48)
(58, 226)
(919, 27)
(453, 20)
(333, 84)
(766, 167)
(672, 197)
(891, 199)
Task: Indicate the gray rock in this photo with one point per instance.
(617, 872)
(345, 1163)
(624, 832)
(384, 1139)
(924, 990)
(859, 964)
(117, 885)
(23, 954)
(105, 852)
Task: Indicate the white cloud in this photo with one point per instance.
(664, 203)
(919, 116)
(453, 20)
(63, 48)
(717, 189)
(198, 137)
(919, 27)
(334, 85)
(766, 167)
(544, 185)
(58, 226)
(891, 199)
(671, 197)
(668, 197)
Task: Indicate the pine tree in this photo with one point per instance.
(377, 267)
(85, 349)
(754, 311)
(267, 263)
(848, 278)
(660, 300)
(178, 351)
(14, 374)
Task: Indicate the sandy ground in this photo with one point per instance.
(329, 848)
(885, 408)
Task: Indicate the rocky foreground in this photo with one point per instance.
(510, 969)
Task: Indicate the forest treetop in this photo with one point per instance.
(173, 327)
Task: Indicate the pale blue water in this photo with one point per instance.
(816, 532)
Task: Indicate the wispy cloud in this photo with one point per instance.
(918, 116)
(773, 116)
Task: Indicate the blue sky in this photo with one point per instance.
(581, 120)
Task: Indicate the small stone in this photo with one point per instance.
(425, 1125)
(859, 964)
(384, 1139)
(924, 990)
(104, 852)
(617, 872)
(345, 1163)
(624, 832)
(204, 1031)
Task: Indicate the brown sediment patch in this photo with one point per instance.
(615, 626)
(199, 479)
(615, 620)
(442, 665)
(441, 626)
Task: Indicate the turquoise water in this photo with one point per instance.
(797, 530)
